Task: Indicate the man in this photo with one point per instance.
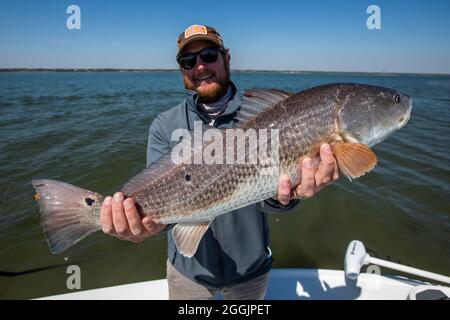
(233, 257)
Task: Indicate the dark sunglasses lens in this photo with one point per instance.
(188, 61)
(209, 55)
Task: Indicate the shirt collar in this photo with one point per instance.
(232, 107)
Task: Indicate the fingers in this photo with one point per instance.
(133, 217)
(118, 216)
(121, 219)
(327, 166)
(307, 187)
(106, 217)
(284, 189)
(336, 171)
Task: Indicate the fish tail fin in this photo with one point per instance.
(68, 213)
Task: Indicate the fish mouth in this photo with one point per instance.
(404, 120)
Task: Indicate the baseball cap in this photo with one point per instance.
(198, 32)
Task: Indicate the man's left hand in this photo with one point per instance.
(312, 181)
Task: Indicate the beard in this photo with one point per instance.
(214, 91)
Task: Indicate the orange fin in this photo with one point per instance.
(187, 236)
(354, 159)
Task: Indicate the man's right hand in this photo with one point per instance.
(119, 218)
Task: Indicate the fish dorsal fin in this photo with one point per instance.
(354, 159)
(187, 236)
(254, 101)
(148, 175)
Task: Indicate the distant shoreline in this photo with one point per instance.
(233, 70)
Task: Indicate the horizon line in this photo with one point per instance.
(232, 70)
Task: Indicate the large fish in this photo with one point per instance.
(350, 117)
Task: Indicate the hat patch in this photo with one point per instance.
(193, 30)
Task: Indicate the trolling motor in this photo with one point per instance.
(356, 257)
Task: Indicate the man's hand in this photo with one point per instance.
(312, 181)
(119, 218)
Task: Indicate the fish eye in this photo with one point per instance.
(397, 98)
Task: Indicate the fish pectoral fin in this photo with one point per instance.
(187, 236)
(354, 159)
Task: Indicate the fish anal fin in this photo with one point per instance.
(354, 159)
(187, 236)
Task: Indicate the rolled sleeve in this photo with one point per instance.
(273, 206)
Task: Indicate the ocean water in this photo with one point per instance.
(90, 129)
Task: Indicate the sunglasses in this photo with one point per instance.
(208, 55)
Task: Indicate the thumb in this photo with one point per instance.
(151, 226)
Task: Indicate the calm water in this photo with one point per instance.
(90, 129)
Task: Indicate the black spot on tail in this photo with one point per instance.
(89, 201)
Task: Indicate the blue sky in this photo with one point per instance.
(275, 35)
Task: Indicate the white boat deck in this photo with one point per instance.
(289, 284)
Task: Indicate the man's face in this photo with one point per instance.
(209, 80)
